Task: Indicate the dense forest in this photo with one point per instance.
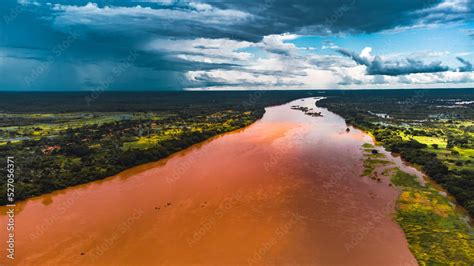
(65, 139)
(433, 129)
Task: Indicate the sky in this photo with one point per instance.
(76, 45)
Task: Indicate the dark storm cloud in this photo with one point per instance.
(319, 17)
(247, 19)
(466, 65)
(377, 66)
(449, 11)
(354, 56)
(67, 44)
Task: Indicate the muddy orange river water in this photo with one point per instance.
(286, 190)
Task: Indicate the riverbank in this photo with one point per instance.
(76, 143)
(284, 190)
(436, 232)
(425, 131)
(436, 227)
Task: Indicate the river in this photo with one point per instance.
(284, 190)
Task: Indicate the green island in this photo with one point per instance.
(65, 139)
(436, 232)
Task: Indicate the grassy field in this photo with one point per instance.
(436, 232)
(439, 141)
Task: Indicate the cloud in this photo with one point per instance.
(251, 20)
(439, 79)
(447, 11)
(295, 69)
(211, 51)
(329, 17)
(377, 66)
(276, 44)
(187, 44)
(183, 19)
(466, 65)
(356, 78)
(91, 13)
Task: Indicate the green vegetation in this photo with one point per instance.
(432, 129)
(403, 179)
(376, 164)
(64, 139)
(436, 232)
(370, 164)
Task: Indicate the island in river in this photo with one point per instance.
(285, 190)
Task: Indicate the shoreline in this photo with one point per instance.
(433, 226)
(216, 179)
(425, 179)
(143, 167)
(123, 173)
